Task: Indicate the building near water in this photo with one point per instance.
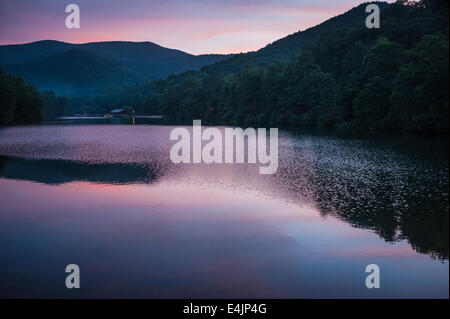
(122, 113)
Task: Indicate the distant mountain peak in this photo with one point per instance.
(128, 62)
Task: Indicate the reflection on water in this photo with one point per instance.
(108, 198)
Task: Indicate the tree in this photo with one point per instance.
(19, 102)
(372, 104)
(7, 100)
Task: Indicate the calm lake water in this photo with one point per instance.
(108, 198)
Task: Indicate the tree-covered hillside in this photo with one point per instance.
(350, 78)
(338, 75)
(75, 71)
(90, 68)
(19, 102)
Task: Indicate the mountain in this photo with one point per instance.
(87, 68)
(290, 46)
(338, 75)
(74, 71)
(54, 65)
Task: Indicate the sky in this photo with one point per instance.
(193, 26)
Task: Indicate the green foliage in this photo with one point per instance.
(7, 100)
(90, 68)
(53, 106)
(19, 102)
(372, 103)
(338, 75)
(393, 78)
(420, 92)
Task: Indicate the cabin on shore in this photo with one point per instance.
(120, 113)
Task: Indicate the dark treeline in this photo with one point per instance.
(21, 103)
(394, 78)
(53, 106)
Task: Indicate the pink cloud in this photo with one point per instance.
(196, 27)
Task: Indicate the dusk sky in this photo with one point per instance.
(197, 26)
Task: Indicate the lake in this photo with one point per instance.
(107, 198)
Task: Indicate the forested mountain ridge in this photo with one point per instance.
(75, 71)
(394, 78)
(338, 75)
(120, 63)
(289, 46)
